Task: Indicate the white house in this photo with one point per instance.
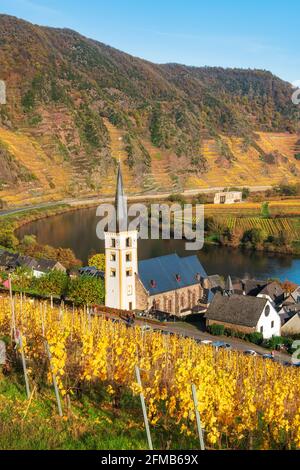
(228, 197)
(244, 313)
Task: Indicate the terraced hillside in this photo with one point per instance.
(76, 106)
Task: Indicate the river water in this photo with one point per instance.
(77, 230)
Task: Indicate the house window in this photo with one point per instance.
(113, 243)
(261, 329)
(128, 242)
(128, 257)
(130, 305)
(182, 301)
(113, 257)
(272, 324)
(170, 306)
(128, 272)
(267, 310)
(112, 273)
(129, 290)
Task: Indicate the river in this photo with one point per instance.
(77, 230)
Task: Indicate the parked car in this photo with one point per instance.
(226, 346)
(250, 352)
(221, 344)
(146, 328)
(296, 364)
(206, 341)
(268, 356)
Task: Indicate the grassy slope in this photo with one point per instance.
(90, 422)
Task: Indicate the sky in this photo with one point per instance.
(242, 33)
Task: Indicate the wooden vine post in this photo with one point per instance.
(19, 341)
(198, 419)
(138, 379)
(54, 381)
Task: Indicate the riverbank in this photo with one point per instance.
(12, 222)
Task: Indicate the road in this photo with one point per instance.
(137, 197)
(192, 331)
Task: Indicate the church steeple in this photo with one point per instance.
(120, 204)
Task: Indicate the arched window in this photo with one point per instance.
(267, 310)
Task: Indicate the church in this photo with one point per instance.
(168, 284)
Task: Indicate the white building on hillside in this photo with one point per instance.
(229, 197)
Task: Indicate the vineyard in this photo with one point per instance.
(243, 402)
(268, 226)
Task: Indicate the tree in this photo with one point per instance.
(265, 211)
(54, 283)
(97, 261)
(245, 193)
(253, 236)
(232, 236)
(22, 278)
(87, 290)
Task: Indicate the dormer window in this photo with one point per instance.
(198, 277)
(153, 283)
(178, 277)
(113, 243)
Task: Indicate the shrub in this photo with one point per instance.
(216, 330)
(255, 337)
(87, 291)
(53, 283)
(275, 342)
(254, 236)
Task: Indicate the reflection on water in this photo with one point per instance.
(77, 230)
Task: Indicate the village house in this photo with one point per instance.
(228, 197)
(291, 325)
(11, 261)
(245, 314)
(252, 287)
(273, 292)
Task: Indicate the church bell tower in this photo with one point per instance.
(121, 262)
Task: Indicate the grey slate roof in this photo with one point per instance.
(237, 309)
(8, 260)
(216, 282)
(14, 260)
(120, 204)
(91, 271)
(274, 291)
(163, 270)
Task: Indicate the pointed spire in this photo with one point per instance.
(229, 286)
(120, 203)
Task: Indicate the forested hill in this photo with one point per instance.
(78, 103)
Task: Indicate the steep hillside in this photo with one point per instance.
(78, 106)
